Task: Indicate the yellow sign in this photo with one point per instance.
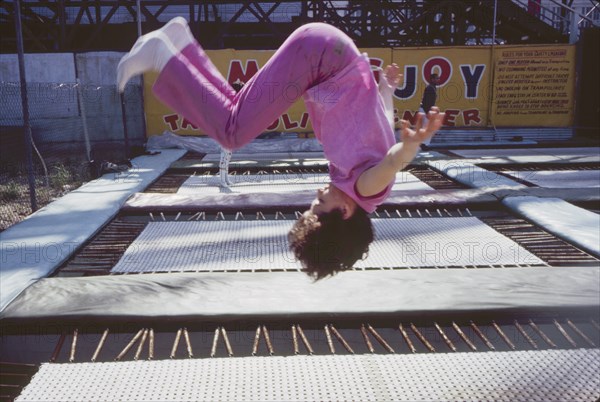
(534, 85)
(527, 86)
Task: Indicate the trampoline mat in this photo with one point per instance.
(549, 375)
(262, 244)
(559, 178)
(269, 183)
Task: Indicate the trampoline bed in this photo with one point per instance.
(262, 245)
(517, 376)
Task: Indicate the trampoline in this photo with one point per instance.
(195, 294)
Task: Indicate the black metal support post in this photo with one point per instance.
(25, 106)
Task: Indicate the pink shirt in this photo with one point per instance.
(348, 118)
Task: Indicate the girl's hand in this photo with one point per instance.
(420, 134)
(392, 75)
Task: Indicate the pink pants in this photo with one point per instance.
(192, 86)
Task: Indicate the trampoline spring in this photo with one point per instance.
(341, 339)
(421, 337)
(138, 352)
(256, 339)
(188, 344)
(363, 331)
(419, 213)
(407, 339)
(238, 215)
(151, 344)
(175, 344)
(445, 337)
(260, 215)
(463, 336)
(151, 216)
(191, 218)
(278, 214)
(459, 212)
(227, 344)
(213, 349)
(503, 335)
(73, 345)
(399, 214)
(581, 334)
(163, 216)
(387, 213)
(329, 340)
(447, 212)
(427, 212)
(527, 337)
(177, 216)
(482, 336)
(542, 334)
(376, 214)
(58, 347)
(298, 214)
(129, 345)
(268, 339)
(564, 333)
(595, 324)
(380, 339)
(295, 340)
(468, 211)
(100, 345)
(408, 213)
(220, 214)
(305, 341)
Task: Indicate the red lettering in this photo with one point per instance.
(304, 120)
(185, 123)
(287, 123)
(375, 62)
(273, 125)
(450, 118)
(237, 72)
(439, 65)
(410, 117)
(471, 116)
(171, 120)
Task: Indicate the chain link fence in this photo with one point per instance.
(74, 126)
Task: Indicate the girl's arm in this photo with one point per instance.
(388, 82)
(374, 180)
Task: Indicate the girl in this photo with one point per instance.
(351, 119)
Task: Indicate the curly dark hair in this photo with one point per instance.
(328, 243)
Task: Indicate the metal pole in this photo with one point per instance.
(492, 75)
(86, 136)
(574, 30)
(141, 91)
(124, 118)
(25, 106)
(494, 26)
(138, 4)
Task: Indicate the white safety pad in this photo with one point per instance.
(566, 221)
(528, 155)
(33, 248)
(260, 244)
(287, 158)
(559, 178)
(276, 183)
(549, 375)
